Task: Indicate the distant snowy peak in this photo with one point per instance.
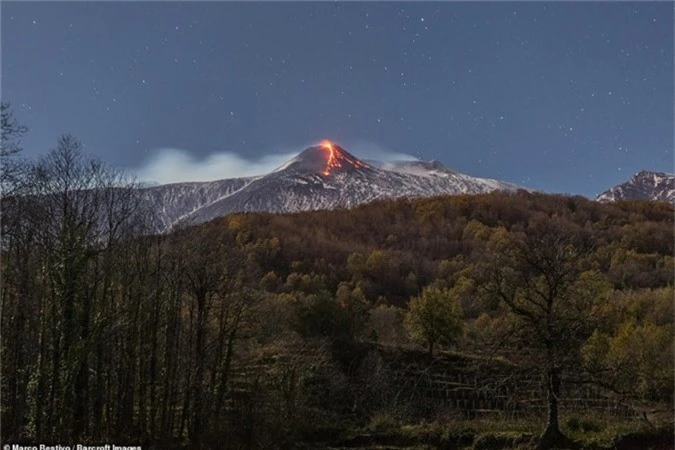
(644, 185)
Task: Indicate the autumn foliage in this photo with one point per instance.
(271, 329)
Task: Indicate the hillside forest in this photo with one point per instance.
(472, 321)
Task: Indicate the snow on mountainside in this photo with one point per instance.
(321, 177)
(171, 203)
(422, 168)
(644, 185)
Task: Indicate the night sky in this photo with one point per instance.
(562, 97)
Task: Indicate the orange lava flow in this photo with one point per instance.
(332, 159)
(335, 157)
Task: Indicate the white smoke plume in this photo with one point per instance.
(172, 165)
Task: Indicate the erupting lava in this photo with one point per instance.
(335, 156)
(332, 160)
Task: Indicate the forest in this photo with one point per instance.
(504, 320)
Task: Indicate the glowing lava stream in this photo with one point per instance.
(332, 160)
(336, 158)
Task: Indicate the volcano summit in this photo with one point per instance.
(325, 159)
(324, 176)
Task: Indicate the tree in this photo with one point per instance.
(319, 316)
(12, 132)
(434, 317)
(632, 352)
(208, 279)
(553, 302)
(72, 212)
(636, 359)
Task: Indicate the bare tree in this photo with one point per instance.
(537, 276)
(10, 145)
(71, 211)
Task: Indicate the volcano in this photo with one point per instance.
(325, 159)
(324, 176)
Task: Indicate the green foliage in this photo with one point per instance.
(308, 283)
(476, 231)
(322, 315)
(269, 282)
(584, 424)
(354, 307)
(434, 317)
(645, 305)
(436, 240)
(637, 358)
(356, 265)
(632, 349)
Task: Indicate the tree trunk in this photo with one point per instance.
(195, 425)
(225, 369)
(41, 368)
(81, 394)
(51, 421)
(552, 437)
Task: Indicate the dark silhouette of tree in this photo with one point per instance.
(70, 212)
(537, 274)
(10, 145)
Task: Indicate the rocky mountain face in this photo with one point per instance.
(321, 177)
(644, 185)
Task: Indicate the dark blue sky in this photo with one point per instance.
(563, 97)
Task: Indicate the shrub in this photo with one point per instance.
(382, 422)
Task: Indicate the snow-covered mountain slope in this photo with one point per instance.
(171, 203)
(321, 177)
(644, 185)
(422, 168)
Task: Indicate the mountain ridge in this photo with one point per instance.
(644, 185)
(324, 176)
